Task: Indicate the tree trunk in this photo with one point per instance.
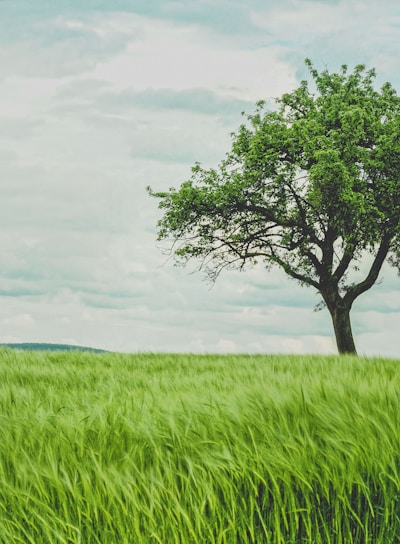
(341, 323)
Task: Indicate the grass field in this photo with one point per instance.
(115, 449)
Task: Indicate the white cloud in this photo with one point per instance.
(94, 107)
(178, 57)
(299, 20)
(347, 32)
(22, 320)
(226, 346)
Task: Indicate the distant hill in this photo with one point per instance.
(50, 347)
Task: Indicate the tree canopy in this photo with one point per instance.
(310, 186)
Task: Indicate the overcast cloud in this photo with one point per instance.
(99, 99)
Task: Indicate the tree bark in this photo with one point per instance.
(340, 314)
(339, 308)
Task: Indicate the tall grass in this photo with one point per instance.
(175, 449)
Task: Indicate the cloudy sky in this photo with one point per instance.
(100, 98)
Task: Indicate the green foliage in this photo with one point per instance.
(203, 449)
(324, 163)
(309, 187)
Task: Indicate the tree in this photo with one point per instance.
(312, 186)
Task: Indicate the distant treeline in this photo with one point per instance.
(50, 347)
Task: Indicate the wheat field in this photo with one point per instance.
(207, 449)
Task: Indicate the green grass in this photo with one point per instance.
(198, 449)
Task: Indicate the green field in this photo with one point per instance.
(111, 448)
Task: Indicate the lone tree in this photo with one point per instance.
(312, 187)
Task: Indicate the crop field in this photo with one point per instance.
(185, 449)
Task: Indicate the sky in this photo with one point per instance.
(101, 98)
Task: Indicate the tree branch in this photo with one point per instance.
(356, 290)
(343, 265)
(267, 214)
(292, 273)
(310, 232)
(319, 267)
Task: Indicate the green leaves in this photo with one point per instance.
(301, 185)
